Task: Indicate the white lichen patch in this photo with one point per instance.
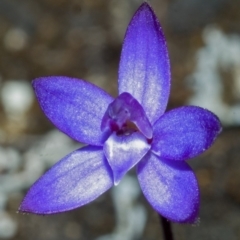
(220, 53)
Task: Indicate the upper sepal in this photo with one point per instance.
(184, 133)
(144, 69)
(74, 106)
(76, 180)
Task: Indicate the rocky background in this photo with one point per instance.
(82, 38)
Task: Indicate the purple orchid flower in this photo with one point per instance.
(131, 130)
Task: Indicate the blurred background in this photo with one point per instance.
(83, 38)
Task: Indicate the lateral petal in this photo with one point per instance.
(74, 106)
(124, 151)
(76, 180)
(184, 133)
(170, 187)
(144, 69)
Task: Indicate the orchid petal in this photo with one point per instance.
(74, 106)
(170, 187)
(144, 69)
(76, 180)
(123, 152)
(184, 133)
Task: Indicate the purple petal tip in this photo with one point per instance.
(76, 180)
(144, 69)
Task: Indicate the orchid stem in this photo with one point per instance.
(167, 230)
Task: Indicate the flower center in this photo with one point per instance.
(126, 115)
(127, 128)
